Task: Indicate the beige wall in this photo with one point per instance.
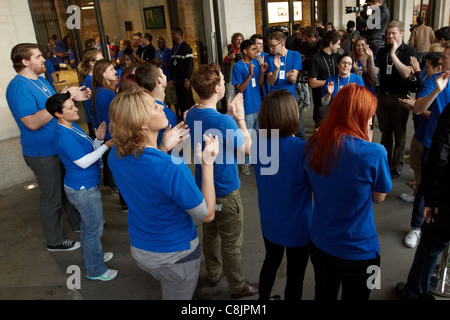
(16, 26)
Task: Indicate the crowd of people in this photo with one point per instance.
(317, 206)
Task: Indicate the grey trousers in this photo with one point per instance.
(177, 280)
(49, 172)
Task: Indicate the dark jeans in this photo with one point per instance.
(49, 172)
(297, 260)
(392, 119)
(419, 201)
(434, 239)
(330, 272)
(108, 179)
(185, 97)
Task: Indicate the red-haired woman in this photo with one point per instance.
(347, 173)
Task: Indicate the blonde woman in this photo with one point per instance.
(163, 197)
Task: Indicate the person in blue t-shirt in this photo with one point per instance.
(55, 52)
(26, 96)
(80, 156)
(222, 238)
(347, 173)
(336, 82)
(248, 79)
(434, 97)
(162, 196)
(284, 194)
(152, 78)
(361, 63)
(85, 69)
(104, 81)
(283, 71)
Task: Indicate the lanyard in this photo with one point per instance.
(328, 67)
(44, 90)
(253, 76)
(348, 81)
(80, 133)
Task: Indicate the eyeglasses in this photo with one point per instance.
(271, 46)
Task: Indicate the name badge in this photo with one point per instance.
(282, 74)
(253, 82)
(360, 72)
(389, 69)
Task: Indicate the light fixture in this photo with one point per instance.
(31, 186)
(87, 8)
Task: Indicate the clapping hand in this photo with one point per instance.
(236, 107)
(173, 136)
(78, 93)
(330, 87)
(210, 152)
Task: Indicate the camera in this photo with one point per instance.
(355, 9)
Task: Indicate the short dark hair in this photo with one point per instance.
(89, 43)
(20, 52)
(351, 24)
(178, 30)
(443, 33)
(279, 111)
(146, 76)
(148, 36)
(434, 58)
(256, 36)
(331, 36)
(55, 103)
(205, 78)
(246, 44)
(310, 32)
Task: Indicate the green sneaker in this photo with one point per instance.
(108, 275)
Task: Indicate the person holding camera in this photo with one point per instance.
(374, 35)
(231, 56)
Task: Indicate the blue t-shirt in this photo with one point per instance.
(59, 48)
(48, 74)
(436, 107)
(284, 198)
(210, 121)
(90, 116)
(171, 116)
(103, 99)
(26, 97)
(340, 82)
(364, 76)
(158, 193)
(72, 145)
(292, 61)
(165, 57)
(252, 94)
(343, 221)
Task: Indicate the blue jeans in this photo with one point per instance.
(434, 239)
(251, 120)
(89, 204)
(419, 201)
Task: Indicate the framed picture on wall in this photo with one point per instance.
(154, 17)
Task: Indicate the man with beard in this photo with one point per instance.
(27, 94)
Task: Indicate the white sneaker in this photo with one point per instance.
(245, 170)
(407, 197)
(108, 275)
(107, 256)
(412, 238)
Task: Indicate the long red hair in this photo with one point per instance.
(348, 114)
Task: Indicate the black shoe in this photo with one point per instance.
(395, 173)
(67, 245)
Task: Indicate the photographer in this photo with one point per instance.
(374, 35)
(231, 56)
